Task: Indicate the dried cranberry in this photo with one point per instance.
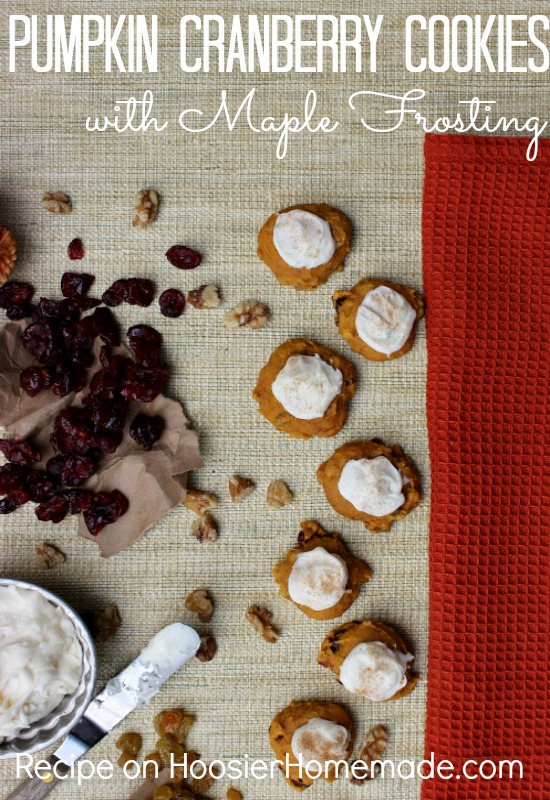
(145, 333)
(21, 453)
(76, 284)
(110, 416)
(12, 476)
(31, 380)
(104, 384)
(75, 250)
(71, 378)
(78, 500)
(41, 486)
(147, 355)
(114, 295)
(46, 309)
(39, 340)
(20, 311)
(172, 303)
(183, 257)
(109, 441)
(72, 432)
(14, 500)
(81, 335)
(140, 394)
(146, 430)
(120, 501)
(15, 292)
(52, 510)
(106, 508)
(105, 326)
(86, 303)
(70, 310)
(139, 292)
(72, 470)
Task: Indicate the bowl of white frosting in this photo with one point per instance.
(47, 668)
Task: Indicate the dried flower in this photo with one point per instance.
(278, 494)
(260, 619)
(199, 603)
(57, 203)
(240, 488)
(8, 254)
(373, 750)
(146, 208)
(49, 556)
(200, 502)
(250, 313)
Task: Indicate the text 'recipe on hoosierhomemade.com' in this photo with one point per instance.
(281, 43)
(473, 116)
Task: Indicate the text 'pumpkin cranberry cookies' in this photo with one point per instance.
(370, 482)
(303, 245)
(320, 575)
(369, 659)
(305, 736)
(378, 318)
(304, 389)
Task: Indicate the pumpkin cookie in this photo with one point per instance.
(320, 575)
(316, 732)
(370, 482)
(304, 389)
(369, 659)
(303, 245)
(378, 318)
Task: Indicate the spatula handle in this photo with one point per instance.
(37, 788)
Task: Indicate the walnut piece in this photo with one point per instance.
(278, 494)
(146, 208)
(8, 254)
(57, 203)
(200, 502)
(207, 650)
(103, 624)
(240, 488)
(373, 750)
(260, 619)
(206, 296)
(49, 556)
(250, 313)
(205, 529)
(199, 603)
(234, 794)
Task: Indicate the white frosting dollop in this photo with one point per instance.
(374, 671)
(320, 740)
(372, 485)
(40, 658)
(303, 239)
(318, 579)
(306, 386)
(385, 320)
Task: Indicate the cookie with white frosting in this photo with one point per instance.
(303, 245)
(304, 389)
(378, 318)
(370, 482)
(369, 659)
(320, 576)
(311, 733)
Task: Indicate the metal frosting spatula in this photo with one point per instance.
(172, 647)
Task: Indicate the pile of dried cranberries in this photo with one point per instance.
(61, 340)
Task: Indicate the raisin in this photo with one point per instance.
(75, 250)
(76, 284)
(146, 430)
(15, 292)
(114, 295)
(172, 303)
(31, 380)
(183, 257)
(139, 292)
(105, 326)
(21, 453)
(53, 510)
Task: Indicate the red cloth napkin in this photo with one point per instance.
(486, 251)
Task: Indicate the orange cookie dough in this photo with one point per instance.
(373, 491)
(298, 389)
(307, 278)
(369, 659)
(319, 729)
(387, 324)
(330, 572)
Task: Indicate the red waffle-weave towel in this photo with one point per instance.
(486, 252)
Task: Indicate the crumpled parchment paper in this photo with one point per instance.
(153, 482)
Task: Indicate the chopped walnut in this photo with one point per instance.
(373, 750)
(234, 794)
(8, 254)
(205, 529)
(240, 488)
(207, 649)
(278, 494)
(103, 624)
(200, 502)
(146, 208)
(206, 296)
(49, 556)
(250, 313)
(260, 619)
(199, 603)
(57, 203)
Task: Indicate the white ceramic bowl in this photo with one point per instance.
(45, 732)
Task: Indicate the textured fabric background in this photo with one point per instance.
(216, 191)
